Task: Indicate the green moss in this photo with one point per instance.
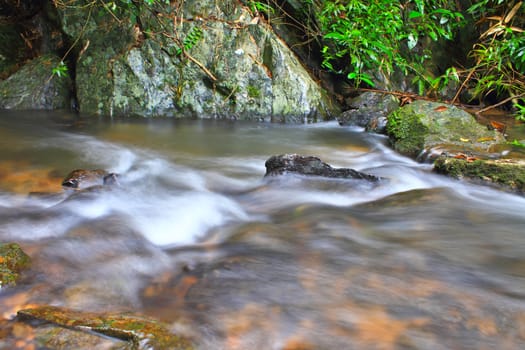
(407, 132)
(143, 333)
(12, 261)
(507, 174)
(253, 91)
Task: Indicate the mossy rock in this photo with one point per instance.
(422, 125)
(140, 332)
(12, 261)
(35, 87)
(505, 173)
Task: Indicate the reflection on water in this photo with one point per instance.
(197, 237)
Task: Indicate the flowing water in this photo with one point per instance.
(195, 236)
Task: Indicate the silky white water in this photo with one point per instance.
(195, 235)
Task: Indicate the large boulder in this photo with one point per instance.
(35, 87)
(202, 59)
(425, 130)
(457, 145)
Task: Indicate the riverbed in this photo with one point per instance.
(196, 236)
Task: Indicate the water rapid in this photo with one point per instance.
(196, 236)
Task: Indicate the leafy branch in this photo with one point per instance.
(499, 54)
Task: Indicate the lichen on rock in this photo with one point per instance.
(35, 87)
(236, 67)
(12, 260)
(141, 332)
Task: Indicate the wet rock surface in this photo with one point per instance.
(134, 332)
(418, 128)
(12, 260)
(457, 145)
(311, 166)
(82, 179)
(504, 173)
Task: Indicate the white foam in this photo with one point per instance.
(182, 219)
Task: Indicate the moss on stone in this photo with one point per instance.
(424, 125)
(143, 333)
(12, 261)
(407, 132)
(253, 91)
(506, 173)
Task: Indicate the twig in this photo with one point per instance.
(76, 42)
(456, 96)
(500, 103)
(188, 56)
(413, 96)
(201, 66)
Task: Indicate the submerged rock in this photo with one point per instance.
(505, 173)
(12, 260)
(311, 166)
(137, 331)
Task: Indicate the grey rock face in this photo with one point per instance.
(215, 60)
(369, 110)
(34, 87)
(311, 166)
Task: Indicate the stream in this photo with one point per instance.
(196, 236)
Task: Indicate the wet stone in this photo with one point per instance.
(21, 335)
(504, 173)
(12, 261)
(81, 179)
(311, 166)
(137, 332)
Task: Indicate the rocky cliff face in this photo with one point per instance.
(192, 58)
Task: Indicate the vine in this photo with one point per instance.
(190, 40)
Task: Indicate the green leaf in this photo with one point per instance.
(414, 14)
(367, 79)
(334, 35)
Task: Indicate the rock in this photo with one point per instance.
(12, 261)
(505, 173)
(35, 87)
(139, 332)
(81, 179)
(12, 49)
(311, 166)
(18, 334)
(369, 110)
(218, 61)
(419, 129)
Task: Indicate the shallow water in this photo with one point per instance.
(197, 237)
